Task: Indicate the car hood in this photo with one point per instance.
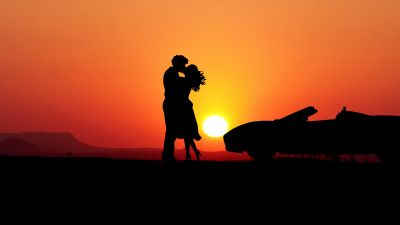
(239, 138)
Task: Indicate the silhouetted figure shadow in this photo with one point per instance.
(188, 128)
(180, 120)
(170, 105)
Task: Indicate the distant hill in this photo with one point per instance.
(51, 142)
(14, 146)
(63, 144)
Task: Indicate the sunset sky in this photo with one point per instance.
(95, 68)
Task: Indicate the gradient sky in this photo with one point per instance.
(94, 68)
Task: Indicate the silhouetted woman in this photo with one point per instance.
(188, 124)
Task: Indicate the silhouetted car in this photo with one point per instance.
(349, 133)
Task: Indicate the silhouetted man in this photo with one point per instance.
(170, 104)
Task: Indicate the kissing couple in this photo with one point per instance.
(180, 120)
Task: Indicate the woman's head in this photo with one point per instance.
(195, 76)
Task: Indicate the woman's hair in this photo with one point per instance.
(195, 76)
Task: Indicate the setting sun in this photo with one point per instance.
(215, 126)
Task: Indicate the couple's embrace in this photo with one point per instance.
(180, 120)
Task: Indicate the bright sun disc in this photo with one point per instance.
(215, 126)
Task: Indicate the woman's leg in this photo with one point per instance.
(196, 151)
(187, 147)
(194, 126)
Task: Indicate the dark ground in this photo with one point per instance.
(232, 186)
(284, 171)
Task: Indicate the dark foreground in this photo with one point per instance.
(204, 190)
(210, 174)
(207, 186)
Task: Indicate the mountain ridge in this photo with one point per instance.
(66, 144)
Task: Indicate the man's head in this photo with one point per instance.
(179, 62)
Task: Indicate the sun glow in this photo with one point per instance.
(215, 126)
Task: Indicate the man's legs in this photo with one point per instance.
(169, 140)
(169, 146)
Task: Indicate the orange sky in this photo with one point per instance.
(94, 68)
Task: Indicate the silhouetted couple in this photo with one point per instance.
(180, 120)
